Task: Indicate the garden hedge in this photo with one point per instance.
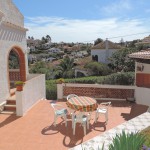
(121, 78)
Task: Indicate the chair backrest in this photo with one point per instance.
(79, 116)
(59, 109)
(105, 104)
(71, 95)
(56, 106)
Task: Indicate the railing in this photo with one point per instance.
(33, 91)
(14, 74)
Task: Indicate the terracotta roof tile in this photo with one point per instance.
(141, 55)
(102, 45)
(146, 40)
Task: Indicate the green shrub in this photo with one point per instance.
(19, 83)
(127, 141)
(125, 78)
(85, 80)
(98, 68)
(51, 90)
(146, 132)
(60, 80)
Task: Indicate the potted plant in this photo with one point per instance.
(19, 85)
(60, 81)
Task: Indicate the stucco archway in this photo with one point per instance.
(20, 72)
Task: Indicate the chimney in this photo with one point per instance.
(106, 44)
(106, 51)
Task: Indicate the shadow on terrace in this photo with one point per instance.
(8, 120)
(119, 112)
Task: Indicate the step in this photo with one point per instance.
(8, 112)
(12, 97)
(12, 100)
(10, 107)
(12, 91)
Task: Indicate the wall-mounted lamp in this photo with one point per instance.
(140, 67)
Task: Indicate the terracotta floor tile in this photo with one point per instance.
(35, 130)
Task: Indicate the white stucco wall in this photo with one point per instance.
(10, 35)
(103, 54)
(5, 47)
(12, 14)
(33, 91)
(146, 68)
(1, 16)
(142, 95)
(60, 91)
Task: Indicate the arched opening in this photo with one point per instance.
(80, 74)
(16, 66)
(95, 58)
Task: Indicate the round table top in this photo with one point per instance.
(82, 103)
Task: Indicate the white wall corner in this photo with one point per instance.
(60, 91)
(19, 103)
(142, 96)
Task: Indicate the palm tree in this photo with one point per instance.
(65, 69)
(48, 37)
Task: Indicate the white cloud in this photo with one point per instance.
(116, 7)
(69, 30)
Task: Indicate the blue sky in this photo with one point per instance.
(86, 20)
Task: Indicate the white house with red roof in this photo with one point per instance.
(103, 51)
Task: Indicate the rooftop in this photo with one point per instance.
(102, 45)
(146, 40)
(35, 130)
(145, 54)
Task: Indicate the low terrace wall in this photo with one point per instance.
(97, 91)
(33, 91)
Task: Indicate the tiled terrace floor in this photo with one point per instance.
(134, 125)
(35, 131)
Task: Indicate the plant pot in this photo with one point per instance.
(19, 87)
(60, 82)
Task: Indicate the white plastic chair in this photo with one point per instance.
(80, 118)
(69, 97)
(148, 110)
(59, 111)
(102, 110)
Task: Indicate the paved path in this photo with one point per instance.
(136, 124)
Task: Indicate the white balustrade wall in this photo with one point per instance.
(142, 95)
(33, 91)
